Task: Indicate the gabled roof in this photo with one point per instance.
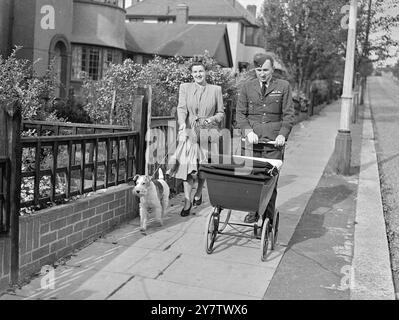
(214, 9)
(184, 40)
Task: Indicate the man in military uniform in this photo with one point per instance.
(265, 111)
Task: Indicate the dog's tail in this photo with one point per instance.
(160, 174)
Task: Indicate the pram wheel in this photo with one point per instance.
(226, 221)
(265, 238)
(212, 228)
(274, 232)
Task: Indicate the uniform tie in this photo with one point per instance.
(263, 88)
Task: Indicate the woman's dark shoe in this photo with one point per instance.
(197, 202)
(185, 212)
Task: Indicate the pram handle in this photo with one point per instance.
(272, 142)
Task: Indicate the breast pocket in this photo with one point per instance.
(251, 107)
(274, 101)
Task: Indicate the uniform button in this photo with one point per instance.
(264, 105)
(264, 114)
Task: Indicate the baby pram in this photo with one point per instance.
(244, 184)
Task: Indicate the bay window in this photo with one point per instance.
(92, 60)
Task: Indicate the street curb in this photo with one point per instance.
(371, 265)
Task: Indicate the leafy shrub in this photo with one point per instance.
(120, 79)
(18, 82)
(71, 110)
(163, 74)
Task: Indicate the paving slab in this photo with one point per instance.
(148, 289)
(236, 278)
(101, 285)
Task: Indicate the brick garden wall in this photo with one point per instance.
(54, 233)
(5, 258)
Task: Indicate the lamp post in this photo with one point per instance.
(343, 141)
(364, 58)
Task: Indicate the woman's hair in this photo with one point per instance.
(197, 61)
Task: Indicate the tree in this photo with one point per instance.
(306, 34)
(377, 20)
(310, 35)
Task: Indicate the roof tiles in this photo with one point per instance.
(177, 39)
(219, 9)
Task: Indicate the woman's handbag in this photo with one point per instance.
(199, 125)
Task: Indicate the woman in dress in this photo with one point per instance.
(200, 108)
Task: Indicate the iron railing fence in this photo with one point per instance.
(65, 128)
(63, 166)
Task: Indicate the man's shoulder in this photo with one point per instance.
(186, 84)
(214, 86)
(282, 82)
(251, 83)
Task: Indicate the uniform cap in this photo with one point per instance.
(260, 58)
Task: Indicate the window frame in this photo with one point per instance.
(82, 61)
(114, 3)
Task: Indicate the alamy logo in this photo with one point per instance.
(48, 19)
(348, 277)
(47, 282)
(345, 19)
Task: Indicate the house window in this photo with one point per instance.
(253, 37)
(242, 35)
(165, 20)
(95, 61)
(249, 37)
(118, 3)
(91, 62)
(136, 20)
(111, 56)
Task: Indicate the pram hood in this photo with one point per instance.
(243, 167)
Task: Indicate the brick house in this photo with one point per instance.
(243, 30)
(83, 35)
(88, 35)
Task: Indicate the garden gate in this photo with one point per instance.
(10, 177)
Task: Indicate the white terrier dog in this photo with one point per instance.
(154, 197)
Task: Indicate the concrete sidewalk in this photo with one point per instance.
(170, 263)
(339, 250)
(371, 267)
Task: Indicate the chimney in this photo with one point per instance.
(252, 9)
(182, 14)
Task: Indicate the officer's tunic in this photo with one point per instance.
(268, 116)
